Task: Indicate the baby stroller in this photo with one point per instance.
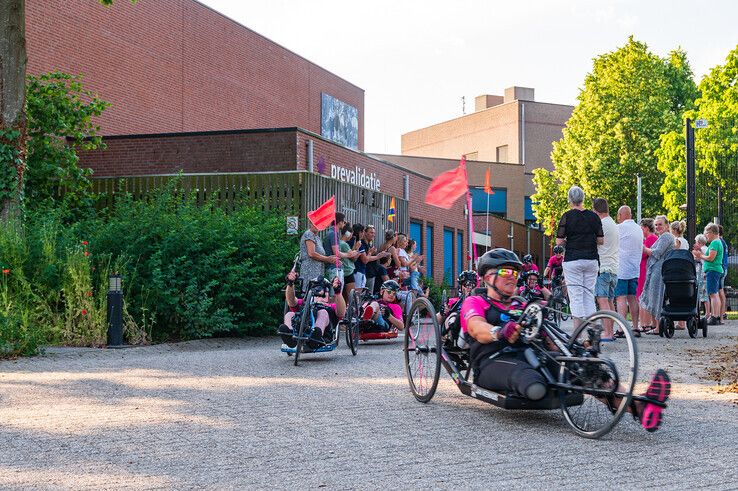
(681, 299)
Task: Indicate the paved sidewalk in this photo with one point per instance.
(233, 414)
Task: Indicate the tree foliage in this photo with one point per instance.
(629, 100)
(716, 147)
(60, 122)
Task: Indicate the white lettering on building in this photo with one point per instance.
(356, 176)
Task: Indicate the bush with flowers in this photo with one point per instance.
(188, 272)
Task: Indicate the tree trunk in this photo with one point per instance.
(12, 102)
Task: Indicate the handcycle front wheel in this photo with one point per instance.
(352, 323)
(613, 369)
(422, 347)
(305, 325)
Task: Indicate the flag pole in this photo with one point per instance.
(486, 246)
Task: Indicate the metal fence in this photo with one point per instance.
(716, 179)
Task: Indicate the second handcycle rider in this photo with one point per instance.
(487, 319)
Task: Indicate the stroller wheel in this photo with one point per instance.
(668, 328)
(662, 326)
(692, 327)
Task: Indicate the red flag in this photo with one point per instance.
(487, 187)
(448, 187)
(324, 215)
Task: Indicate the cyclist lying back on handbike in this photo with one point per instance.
(329, 309)
(497, 354)
(386, 312)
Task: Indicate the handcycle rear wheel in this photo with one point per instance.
(352, 323)
(593, 418)
(305, 325)
(422, 347)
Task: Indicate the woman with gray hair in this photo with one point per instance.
(652, 296)
(580, 231)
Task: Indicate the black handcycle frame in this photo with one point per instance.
(562, 392)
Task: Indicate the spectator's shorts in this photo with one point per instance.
(349, 279)
(626, 287)
(713, 282)
(359, 280)
(722, 280)
(605, 286)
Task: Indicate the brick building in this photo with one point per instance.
(193, 91)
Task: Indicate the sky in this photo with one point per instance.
(416, 59)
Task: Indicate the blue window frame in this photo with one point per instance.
(529, 216)
(416, 233)
(497, 201)
(429, 250)
(459, 252)
(448, 256)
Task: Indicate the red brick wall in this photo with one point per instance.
(177, 66)
(196, 153)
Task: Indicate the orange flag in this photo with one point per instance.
(487, 187)
(324, 215)
(448, 187)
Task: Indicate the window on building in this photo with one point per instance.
(472, 156)
(429, 250)
(459, 252)
(448, 256)
(502, 153)
(528, 206)
(497, 201)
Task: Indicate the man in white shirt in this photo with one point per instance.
(607, 278)
(629, 266)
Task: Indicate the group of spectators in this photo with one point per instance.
(363, 263)
(617, 266)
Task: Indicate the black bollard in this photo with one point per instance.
(115, 313)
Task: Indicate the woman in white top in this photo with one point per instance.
(677, 230)
(700, 244)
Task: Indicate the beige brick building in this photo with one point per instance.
(513, 128)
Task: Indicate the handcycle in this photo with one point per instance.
(559, 304)
(361, 330)
(303, 324)
(592, 383)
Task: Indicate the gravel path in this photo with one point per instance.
(225, 414)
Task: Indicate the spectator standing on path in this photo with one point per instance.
(580, 231)
(630, 247)
(312, 255)
(677, 230)
(652, 296)
(371, 258)
(721, 293)
(607, 279)
(386, 268)
(347, 263)
(713, 267)
(357, 244)
(331, 243)
(649, 238)
(700, 244)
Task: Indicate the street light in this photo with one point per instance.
(115, 311)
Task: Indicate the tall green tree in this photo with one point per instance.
(13, 121)
(629, 100)
(716, 147)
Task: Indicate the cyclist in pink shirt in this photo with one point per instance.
(385, 312)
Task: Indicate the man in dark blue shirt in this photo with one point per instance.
(721, 292)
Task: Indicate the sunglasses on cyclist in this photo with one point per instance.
(506, 272)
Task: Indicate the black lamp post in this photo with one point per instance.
(115, 312)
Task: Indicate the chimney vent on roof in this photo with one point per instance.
(519, 94)
(482, 102)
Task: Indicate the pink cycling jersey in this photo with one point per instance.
(476, 305)
(394, 307)
(299, 304)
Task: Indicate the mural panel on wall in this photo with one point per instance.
(339, 122)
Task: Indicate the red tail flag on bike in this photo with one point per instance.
(448, 187)
(324, 215)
